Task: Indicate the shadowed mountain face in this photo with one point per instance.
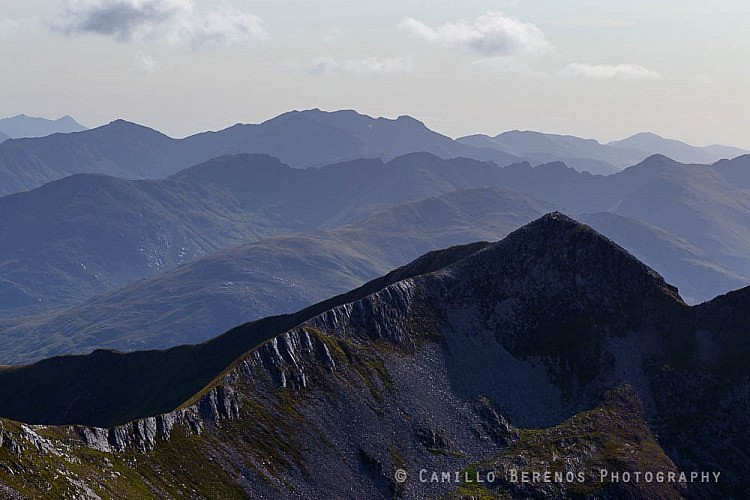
(26, 126)
(279, 275)
(553, 326)
(3, 137)
(300, 139)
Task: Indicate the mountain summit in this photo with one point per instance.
(453, 362)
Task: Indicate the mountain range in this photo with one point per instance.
(88, 235)
(677, 150)
(552, 349)
(303, 139)
(300, 139)
(594, 157)
(21, 126)
(193, 302)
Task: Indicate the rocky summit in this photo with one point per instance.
(549, 364)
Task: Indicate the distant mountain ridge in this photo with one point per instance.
(200, 299)
(237, 199)
(87, 234)
(594, 157)
(678, 150)
(21, 126)
(299, 138)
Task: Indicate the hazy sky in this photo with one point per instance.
(594, 68)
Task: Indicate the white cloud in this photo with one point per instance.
(178, 22)
(607, 71)
(146, 65)
(327, 65)
(491, 35)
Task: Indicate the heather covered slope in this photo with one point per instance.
(278, 275)
(446, 364)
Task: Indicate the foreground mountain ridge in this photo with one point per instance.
(553, 326)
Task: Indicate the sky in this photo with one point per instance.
(593, 68)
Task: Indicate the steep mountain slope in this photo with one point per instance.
(279, 275)
(300, 139)
(581, 154)
(27, 126)
(702, 205)
(677, 150)
(87, 234)
(444, 365)
(3, 137)
(696, 276)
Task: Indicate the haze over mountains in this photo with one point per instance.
(84, 235)
(554, 326)
(87, 235)
(589, 155)
(554, 344)
(677, 150)
(21, 126)
(300, 139)
(273, 276)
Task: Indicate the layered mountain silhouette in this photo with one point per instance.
(551, 349)
(299, 138)
(86, 234)
(3, 137)
(28, 126)
(194, 302)
(736, 171)
(678, 150)
(581, 154)
(591, 156)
